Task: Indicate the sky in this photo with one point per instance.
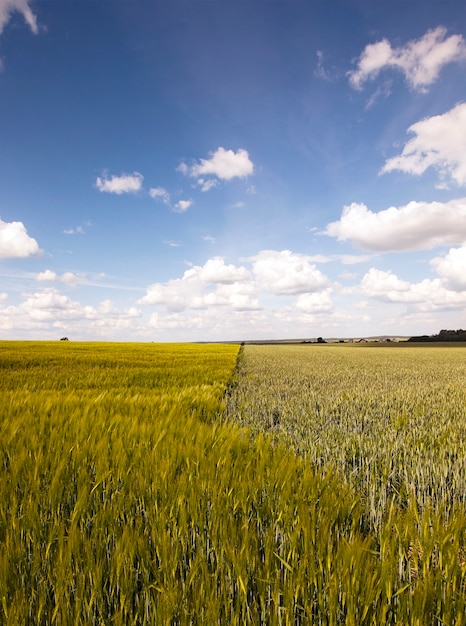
(217, 170)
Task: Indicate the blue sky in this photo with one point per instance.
(180, 170)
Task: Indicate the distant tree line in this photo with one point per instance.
(444, 335)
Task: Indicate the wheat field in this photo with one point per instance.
(193, 484)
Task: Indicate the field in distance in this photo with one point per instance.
(157, 484)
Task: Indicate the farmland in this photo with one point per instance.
(389, 420)
(325, 486)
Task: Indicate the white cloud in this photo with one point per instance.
(79, 230)
(208, 184)
(72, 279)
(415, 226)
(452, 268)
(3, 297)
(223, 164)
(287, 273)
(160, 193)
(439, 142)
(68, 278)
(47, 275)
(217, 284)
(315, 302)
(215, 271)
(51, 276)
(182, 206)
(210, 285)
(49, 306)
(420, 60)
(385, 285)
(427, 295)
(126, 183)
(15, 241)
(49, 310)
(7, 7)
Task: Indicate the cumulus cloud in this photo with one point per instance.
(126, 183)
(15, 241)
(452, 268)
(315, 302)
(8, 7)
(287, 273)
(222, 164)
(427, 295)
(217, 299)
(47, 275)
(439, 142)
(68, 278)
(415, 226)
(216, 271)
(420, 60)
(212, 284)
(49, 310)
(217, 283)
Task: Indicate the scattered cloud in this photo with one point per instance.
(79, 230)
(452, 268)
(126, 183)
(8, 7)
(209, 239)
(15, 242)
(212, 284)
(160, 193)
(420, 60)
(47, 275)
(321, 71)
(172, 244)
(315, 302)
(285, 273)
(208, 184)
(219, 284)
(182, 206)
(69, 278)
(439, 142)
(383, 91)
(427, 295)
(415, 226)
(215, 271)
(222, 165)
(50, 311)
